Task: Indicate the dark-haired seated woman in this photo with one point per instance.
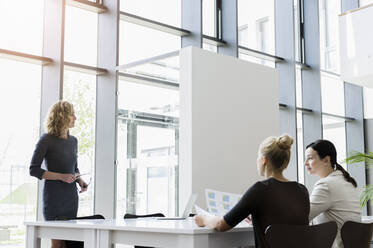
(275, 200)
(335, 196)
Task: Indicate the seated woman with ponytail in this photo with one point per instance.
(335, 196)
(273, 200)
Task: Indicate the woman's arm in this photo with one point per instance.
(320, 199)
(239, 212)
(67, 178)
(216, 222)
(37, 159)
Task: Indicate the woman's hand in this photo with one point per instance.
(199, 219)
(67, 178)
(83, 185)
(248, 219)
(215, 222)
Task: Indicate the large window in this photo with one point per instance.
(300, 143)
(164, 11)
(256, 29)
(365, 2)
(297, 14)
(334, 130)
(368, 103)
(147, 154)
(329, 34)
(208, 18)
(19, 132)
(138, 42)
(80, 90)
(332, 93)
(80, 36)
(21, 25)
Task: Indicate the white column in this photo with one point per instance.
(52, 75)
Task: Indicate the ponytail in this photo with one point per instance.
(346, 175)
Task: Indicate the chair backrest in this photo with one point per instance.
(93, 217)
(355, 234)
(295, 236)
(134, 216)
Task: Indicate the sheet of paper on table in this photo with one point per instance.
(219, 203)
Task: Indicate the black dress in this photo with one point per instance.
(60, 199)
(271, 202)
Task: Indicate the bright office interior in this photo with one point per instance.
(128, 121)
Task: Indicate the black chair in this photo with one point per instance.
(293, 236)
(355, 234)
(79, 244)
(134, 216)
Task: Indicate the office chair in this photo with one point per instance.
(79, 244)
(134, 216)
(355, 234)
(295, 236)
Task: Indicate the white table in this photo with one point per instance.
(145, 232)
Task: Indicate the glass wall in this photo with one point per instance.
(80, 36)
(256, 28)
(147, 153)
(208, 18)
(329, 34)
(368, 103)
(297, 14)
(147, 123)
(138, 42)
(164, 11)
(334, 130)
(20, 109)
(21, 25)
(147, 134)
(332, 94)
(300, 144)
(365, 2)
(256, 60)
(80, 90)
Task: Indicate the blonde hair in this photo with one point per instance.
(58, 118)
(277, 150)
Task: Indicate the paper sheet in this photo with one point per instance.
(219, 203)
(200, 211)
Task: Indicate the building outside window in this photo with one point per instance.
(19, 132)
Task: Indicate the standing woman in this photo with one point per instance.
(59, 150)
(335, 196)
